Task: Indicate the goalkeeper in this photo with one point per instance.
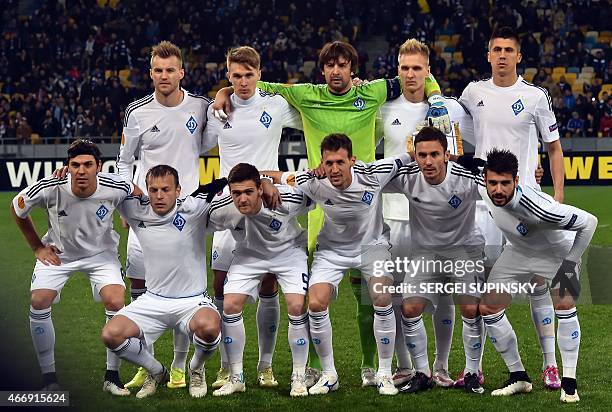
(341, 107)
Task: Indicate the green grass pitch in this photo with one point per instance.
(80, 355)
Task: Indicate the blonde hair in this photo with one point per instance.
(413, 46)
(245, 55)
(165, 49)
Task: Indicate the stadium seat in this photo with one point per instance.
(587, 69)
(556, 76)
(573, 69)
(558, 69)
(592, 35)
(107, 74)
(447, 57)
(606, 88)
(458, 57)
(449, 49)
(212, 66)
(455, 39)
(440, 44)
(537, 35)
(528, 76)
(212, 94)
(595, 50)
(35, 138)
(308, 67)
(578, 87)
(123, 77)
(223, 82)
(586, 76)
(570, 78)
(533, 70)
(445, 38)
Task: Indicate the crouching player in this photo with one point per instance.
(273, 242)
(534, 223)
(80, 238)
(171, 232)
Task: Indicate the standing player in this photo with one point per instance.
(341, 107)
(273, 242)
(534, 223)
(251, 135)
(398, 120)
(353, 236)
(172, 235)
(165, 127)
(80, 237)
(509, 112)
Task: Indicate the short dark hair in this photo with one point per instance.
(501, 161)
(84, 147)
(336, 141)
(505, 32)
(161, 171)
(332, 51)
(431, 134)
(243, 172)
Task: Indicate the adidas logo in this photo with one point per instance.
(227, 126)
(62, 213)
(238, 229)
(480, 104)
(142, 225)
(329, 202)
(155, 129)
(396, 122)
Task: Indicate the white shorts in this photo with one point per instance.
(329, 267)
(134, 264)
(102, 269)
(460, 269)
(494, 238)
(222, 252)
(519, 267)
(246, 272)
(154, 314)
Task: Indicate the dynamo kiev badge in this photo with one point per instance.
(517, 107)
(265, 119)
(359, 103)
(191, 124)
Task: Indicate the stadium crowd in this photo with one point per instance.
(68, 69)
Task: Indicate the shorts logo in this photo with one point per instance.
(272, 328)
(517, 107)
(385, 341)
(546, 321)
(215, 255)
(454, 201)
(316, 341)
(398, 162)
(522, 229)
(493, 340)
(477, 345)
(367, 197)
(33, 277)
(191, 124)
(275, 225)
(101, 212)
(179, 222)
(553, 127)
(39, 330)
(265, 119)
(359, 103)
(227, 340)
(411, 345)
(21, 202)
(301, 342)
(447, 321)
(575, 334)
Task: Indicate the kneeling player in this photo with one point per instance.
(80, 238)
(171, 232)
(273, 243)
(533, 222)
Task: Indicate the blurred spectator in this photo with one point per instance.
(569, 99)
(575, 126)
(24, 131)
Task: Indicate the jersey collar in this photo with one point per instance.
(244, 102)
(519, 80)
(178, 106)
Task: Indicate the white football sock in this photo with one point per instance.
(134, 350)
(384, 333)
(43, 338)
(113, 362)
(181, 348)
(234, 338)
(568, 338)
(472, 343)
(203, 351)
(224, 362)
(415, 337)
(321, 335)
(443, 322)
(298, 342)
(503, 338)
(543, 315)
(401, 351)
(268, 318)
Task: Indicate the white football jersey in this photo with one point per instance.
(443, 214)
(173, 245)
(78, 227)
(535, 223)
(253, 131)
(510, 118)
(157, 134)
(353, 216)
(269, 232)
(396, 122)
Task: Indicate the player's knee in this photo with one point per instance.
(316, 305)
(469, 311)
(565, 304)
(40, 301)
(112, 336)
(381, 299)
(114, 302)
(487, 309)
(411, 311)
(206, 328)
(295, 308)
(231, 307)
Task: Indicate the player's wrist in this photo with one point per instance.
(284, 177)
(266, 177)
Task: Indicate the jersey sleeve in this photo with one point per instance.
(382, 90)
(222, 214)
(465, 98)
(400, 182)
(130, 143)
(384, 170)
(545, 119)
(293, 93)
(295, 201)
(306, 183)
(32, 196)
(291, 117)
(212, 131)
(134, 208)
(577, 220)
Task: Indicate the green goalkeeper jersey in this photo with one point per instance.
(352, 113)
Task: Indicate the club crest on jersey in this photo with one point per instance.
(215, 255)
(101, 212)
(367, 197)
(265, 119)
(454, 201)
(191, 124)
(359, 103)
(517, 107)
(275, 225)
(522, 229)
(179, 222)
